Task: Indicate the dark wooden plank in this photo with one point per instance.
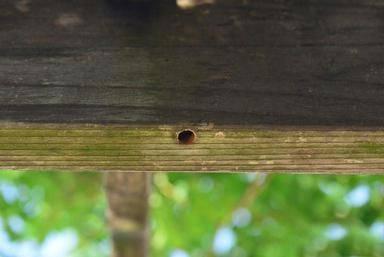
(264, 62)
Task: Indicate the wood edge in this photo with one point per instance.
(192, 126)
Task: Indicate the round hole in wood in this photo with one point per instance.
(187, 136)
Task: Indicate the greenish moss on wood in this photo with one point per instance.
(216, 149)
(373, 148)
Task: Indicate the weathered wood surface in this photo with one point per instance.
(215, 149)
(268, 62)
(290, 85)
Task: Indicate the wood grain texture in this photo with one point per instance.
(255, 62)
(216, 149)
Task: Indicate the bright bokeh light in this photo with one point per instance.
(225, 240)
(179, 253)
(335, 232)
(358, 196)
(377, 229)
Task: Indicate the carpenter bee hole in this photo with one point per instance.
(186, 136)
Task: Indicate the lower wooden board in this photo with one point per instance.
(55, 147)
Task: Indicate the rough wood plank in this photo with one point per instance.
(281, 62)
(216, 148)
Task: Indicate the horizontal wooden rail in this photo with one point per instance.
(213, 149)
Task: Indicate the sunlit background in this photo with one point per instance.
(196, 215)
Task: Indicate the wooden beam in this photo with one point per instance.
(257, 62)
(214, 148)
(290, 86)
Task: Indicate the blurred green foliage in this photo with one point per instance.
(202, 215)
(52, 202)
(291, 215)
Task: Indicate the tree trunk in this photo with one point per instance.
(127, 214)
